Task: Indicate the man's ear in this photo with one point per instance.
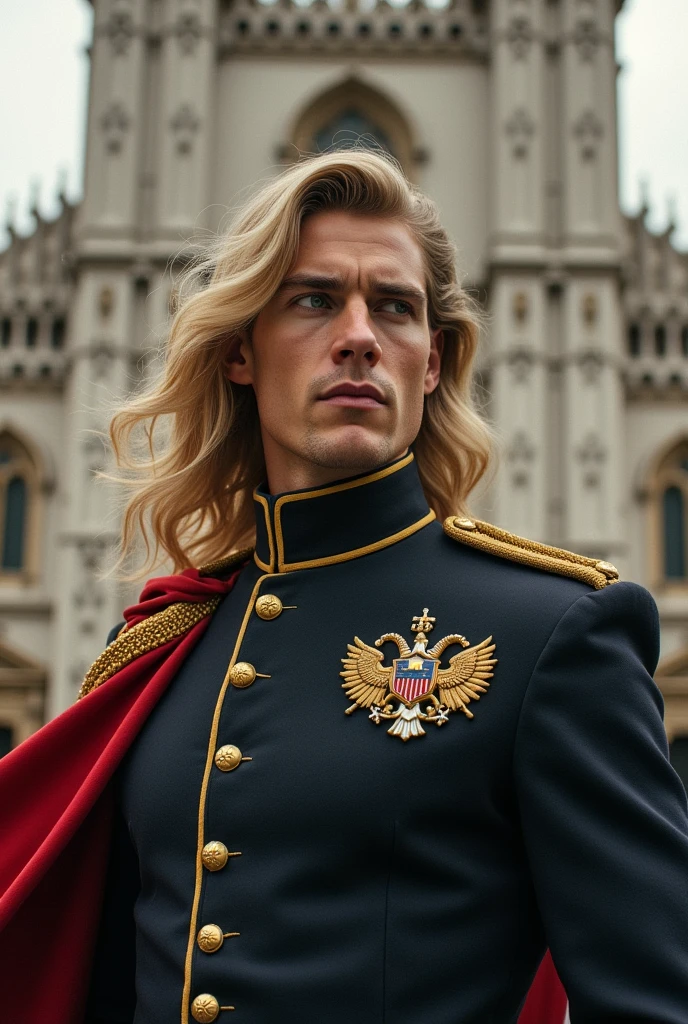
(432, 372)
(237, 364)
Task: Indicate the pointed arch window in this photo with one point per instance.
(348, 128)
(671, 504)
(17, 486)
(353, 113)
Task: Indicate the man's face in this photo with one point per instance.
(342, 356)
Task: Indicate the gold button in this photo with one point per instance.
(268, 607)
(210, 938)
(205, 1008)
(214, 856)
(242, 674)
(227, 758)
(608, 570)
(464, 524)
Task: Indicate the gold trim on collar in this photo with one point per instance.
(495, 541)
(348, 485)
(345, 556)
(263, 501)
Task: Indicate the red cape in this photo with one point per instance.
(56, 813)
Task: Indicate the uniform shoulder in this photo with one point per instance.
(494, 541)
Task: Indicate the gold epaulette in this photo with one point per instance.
(221, 565)
(494, 541)
(145, 636)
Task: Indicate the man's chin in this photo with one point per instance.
(350, 449)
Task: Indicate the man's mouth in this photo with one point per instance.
(354, 396)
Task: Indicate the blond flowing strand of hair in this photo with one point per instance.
(188, 446)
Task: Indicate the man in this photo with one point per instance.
(403, 758)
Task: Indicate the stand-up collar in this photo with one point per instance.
(307, 529)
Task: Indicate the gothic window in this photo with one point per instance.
(354, 114)
(6, 740)
(660, 340)
(350, 127)
(670, 491)
(31, 332)
(17, 482)
(6, 332)
(679, 758)
(57, 333)
(674, 533)
(634, 344)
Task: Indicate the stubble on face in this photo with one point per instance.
(362, 451)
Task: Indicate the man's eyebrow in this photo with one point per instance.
(319, 282)
(334, 283)
(400, 288)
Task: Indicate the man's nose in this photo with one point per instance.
(355, 339)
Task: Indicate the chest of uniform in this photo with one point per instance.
(303, 646)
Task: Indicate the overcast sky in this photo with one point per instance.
(43, 74)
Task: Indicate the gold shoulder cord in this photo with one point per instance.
(221, 565)
(157, 629)
(145, 636)
(485, 537)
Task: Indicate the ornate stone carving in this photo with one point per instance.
(102, 358)
(115, 124)
(188, 31)
(520, 361)
(106, 302)
(592, 455)
(588, 129)
(94, 455)
(520, 129)
(591, 362)
(90, 552)
(185, 124)
(520, 307)
(417, 26)
(520, 36)
(589, 309)
(120, 30)
(521, 454)
(586, 38)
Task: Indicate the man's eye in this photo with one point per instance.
(313, 302)
(398, 306)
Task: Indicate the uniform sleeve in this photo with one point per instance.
(604, 815)
(112, 992)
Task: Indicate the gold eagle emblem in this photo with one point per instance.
(416, 675)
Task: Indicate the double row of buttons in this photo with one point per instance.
(206, 1008)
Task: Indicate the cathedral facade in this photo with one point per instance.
(504, 111)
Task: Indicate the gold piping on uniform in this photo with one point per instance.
(212, 744)
(263, 501)
(348, 485)
(493, 540)
(145, 636)
(345, 556)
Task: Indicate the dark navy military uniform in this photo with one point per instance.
(281, 860)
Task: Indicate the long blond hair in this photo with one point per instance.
(190, 483)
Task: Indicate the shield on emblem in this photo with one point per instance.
(414, 678)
